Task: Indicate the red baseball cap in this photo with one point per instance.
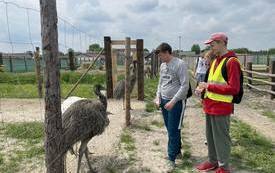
(217, 36)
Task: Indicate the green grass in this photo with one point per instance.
(251, 150)
(31, 132)
(23, 85)
(127, 140)
(127, 143)
(30, 90)
(29, 137)
(13, 163)
(66, 77)
(186, 163)
(150, 88)
(269, 114)
(17, 78)
(150, 107)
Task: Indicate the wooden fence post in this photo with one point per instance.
(127, 81)
(268, 63)
(244, 60)
(11, 66)
(108, 66)
(140, 60)
(114, 67)
(38, 71)
(1, 58)
(25, 62)
(153, 65)
(272, 71)
(1, 63)
(54, 146)
(71, 60)
(249, 67)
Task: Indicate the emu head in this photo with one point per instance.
(133, 67)
(98, 88)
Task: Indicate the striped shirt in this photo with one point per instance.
(174, 80)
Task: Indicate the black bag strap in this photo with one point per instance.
(224, 69)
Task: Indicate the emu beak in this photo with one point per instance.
(109, 113)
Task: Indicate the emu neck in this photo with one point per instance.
(102, 98)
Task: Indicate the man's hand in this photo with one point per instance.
(198, 91)
(169, 105)
(203, 85)
(157, 102)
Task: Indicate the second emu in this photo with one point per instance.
(119, 91)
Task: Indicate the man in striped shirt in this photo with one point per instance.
(171, 97)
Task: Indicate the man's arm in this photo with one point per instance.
(184, 83)
(159, 84)
(158, 89)
(158, 95)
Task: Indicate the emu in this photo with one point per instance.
(82, 120)
(119, 91)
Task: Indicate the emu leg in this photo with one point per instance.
(73, 152)
(88, 160)
(123, 103)
(82, 149)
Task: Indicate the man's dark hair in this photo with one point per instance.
(164, 47)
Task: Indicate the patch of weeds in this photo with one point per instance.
(186, 160)
(31, 132)
(29, 137)
(251, 150)
(150, 107)
(269, 114)
(127, 140)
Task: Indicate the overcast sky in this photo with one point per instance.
(247, 23)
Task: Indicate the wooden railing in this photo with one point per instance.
(254, 76)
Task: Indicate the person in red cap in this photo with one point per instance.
(218, 93)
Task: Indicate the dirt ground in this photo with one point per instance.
(150, 145)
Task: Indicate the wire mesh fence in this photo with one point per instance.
(21, 127)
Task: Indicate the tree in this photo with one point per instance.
(146, 50)
(241, 50)
(196, 48)
(95, 48)
(271, 51)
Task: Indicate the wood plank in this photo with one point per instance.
(123, 42)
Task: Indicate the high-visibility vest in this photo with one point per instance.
(217, 78)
